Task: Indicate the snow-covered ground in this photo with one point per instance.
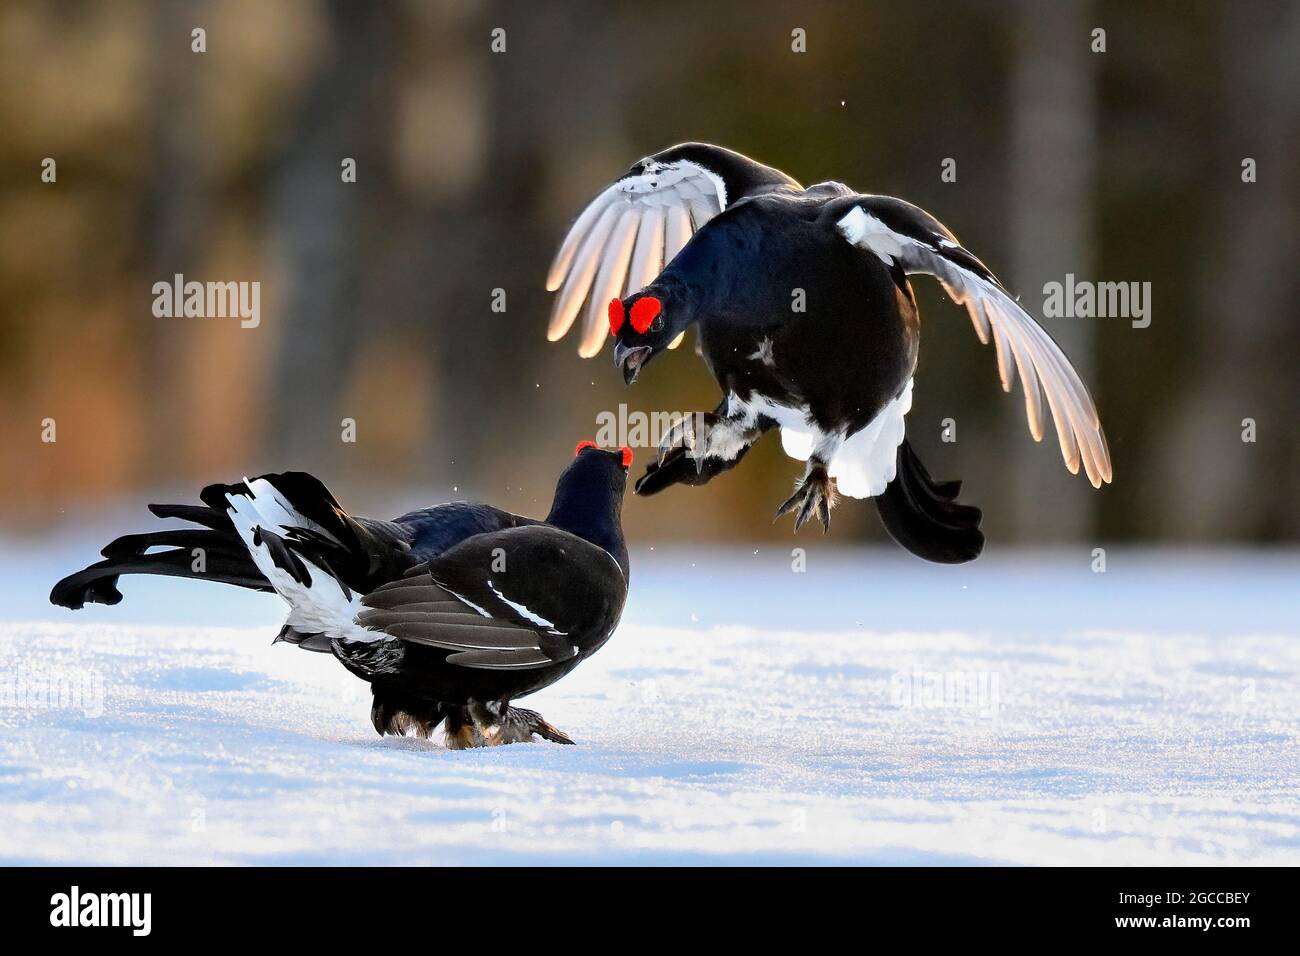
(1024, 709)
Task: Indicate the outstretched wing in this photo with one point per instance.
(516, 599)
(898, 232)
(626, 235)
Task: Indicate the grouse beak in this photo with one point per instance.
(630, 360)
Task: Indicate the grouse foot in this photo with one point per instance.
(496, 723)
(695, 435)
(815, 493)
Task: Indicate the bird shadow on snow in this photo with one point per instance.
(562, 760)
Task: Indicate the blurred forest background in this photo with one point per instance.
(376, 296)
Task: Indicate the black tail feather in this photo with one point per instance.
(923, 516)
(214, 552)
(356, 551)
(217, 520)
(97, 584)
(134, 545)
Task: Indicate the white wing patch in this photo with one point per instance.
(863, 229)
(1021, 343)
(523, 612)
(466, 601)
(623, 240)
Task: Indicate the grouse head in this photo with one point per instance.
(645, 324)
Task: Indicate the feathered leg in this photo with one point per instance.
(700, 447)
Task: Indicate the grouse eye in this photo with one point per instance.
(658, 324)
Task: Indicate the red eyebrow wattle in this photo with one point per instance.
(644, 312)
(615, 316)
(585, 443)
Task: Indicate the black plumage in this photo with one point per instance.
(807, 320)
(450, 612)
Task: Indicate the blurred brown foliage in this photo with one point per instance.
(376, 296)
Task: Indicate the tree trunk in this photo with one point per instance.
(1052, 169)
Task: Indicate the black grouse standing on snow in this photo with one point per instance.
(449, 613)
(807, 321)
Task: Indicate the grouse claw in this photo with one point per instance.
(815, 494)
(690, 433)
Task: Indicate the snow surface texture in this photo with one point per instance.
(871, 710)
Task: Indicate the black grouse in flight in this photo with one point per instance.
(808, 323)
(450, 613)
